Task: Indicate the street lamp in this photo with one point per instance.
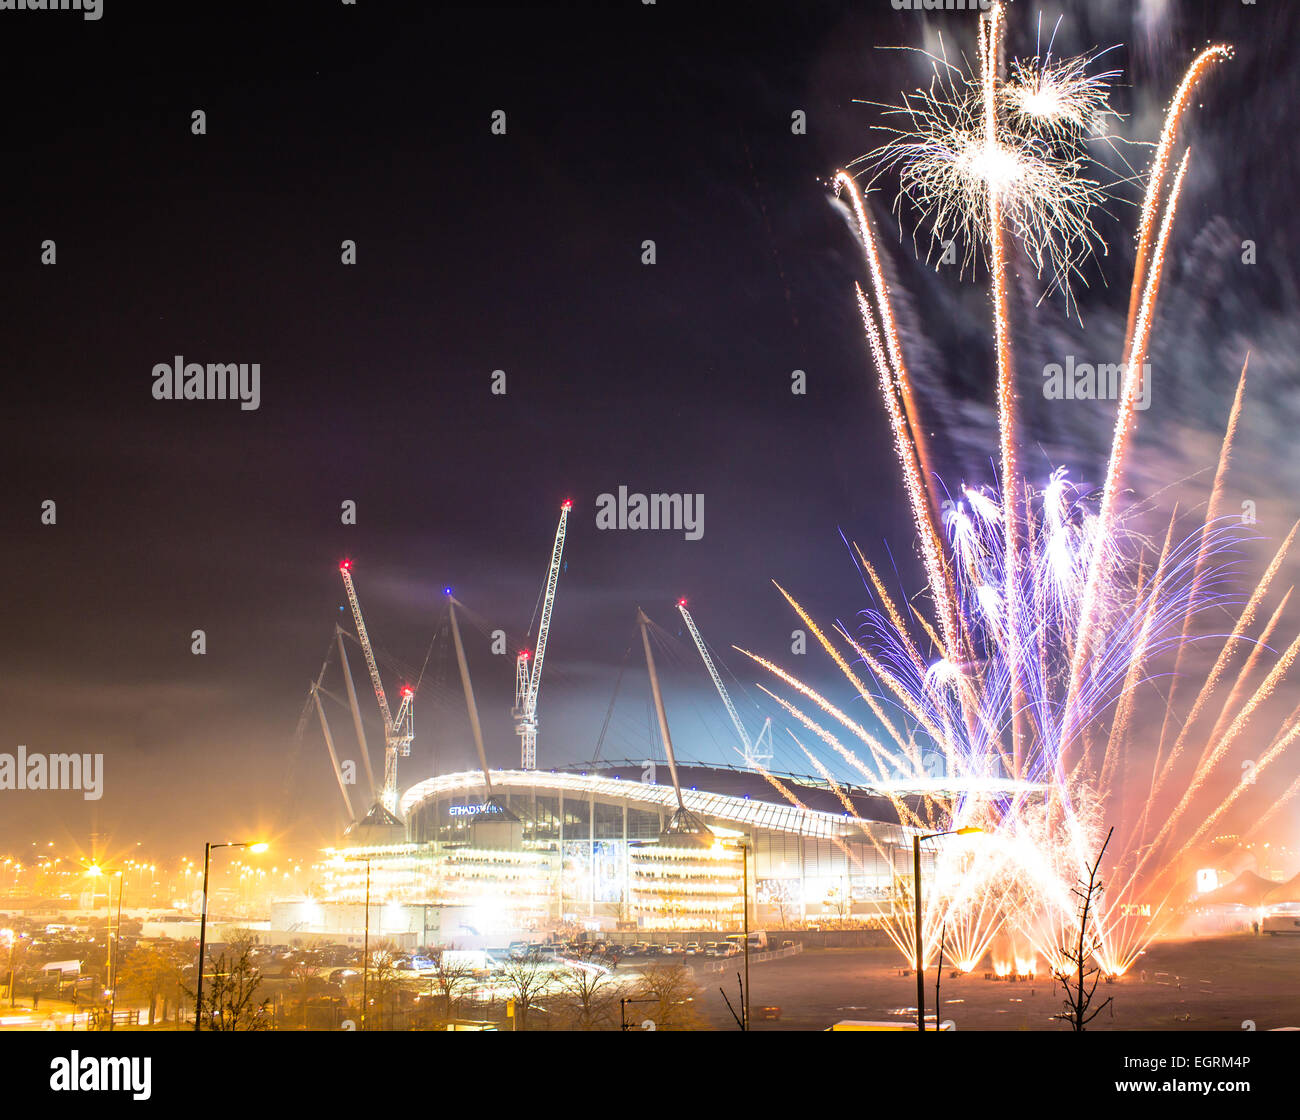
(743, 845)
(252, 846)
(94, 871)
(365, 950)
(10, 937)
(916, 884)
(114, 965)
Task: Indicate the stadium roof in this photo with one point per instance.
(724, 794)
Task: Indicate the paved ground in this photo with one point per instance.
(1209, 984)
(1213, 984)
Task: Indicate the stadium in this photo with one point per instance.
(482, 856)
(597, 850)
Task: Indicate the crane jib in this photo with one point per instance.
(529, 682)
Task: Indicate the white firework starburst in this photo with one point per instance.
(952, 151)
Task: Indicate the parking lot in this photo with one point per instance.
(1214, 984)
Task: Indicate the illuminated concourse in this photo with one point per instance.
(592, 849)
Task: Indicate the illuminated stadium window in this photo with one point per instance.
(577, 819)
(546, 820)
(609, 821)
(642, 825)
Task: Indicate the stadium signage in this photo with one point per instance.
(473, 810)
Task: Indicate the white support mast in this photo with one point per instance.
(752, 749)
(470, 705)
(399, 730)
(334, 758)
(684, 826)
(528, 683)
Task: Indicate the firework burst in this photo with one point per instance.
(970, 148)
(1052, 617)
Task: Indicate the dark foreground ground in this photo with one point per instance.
(1214, 984)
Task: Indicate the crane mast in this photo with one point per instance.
(399, 731)
(684, 827)
(471, 707)
(528, 682)
(751, 748)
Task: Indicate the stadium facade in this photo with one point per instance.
(593, 848)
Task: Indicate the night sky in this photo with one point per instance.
(523, 252)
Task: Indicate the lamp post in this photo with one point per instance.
(743, 845)
(10, 937)
(94, 871)
(365, 951)
(114, 965)
(744, 882)
(252, 846)
(916, 885)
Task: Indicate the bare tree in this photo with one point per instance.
(588, 997)
(151, 972)
(1080, 977)
(385, 980)
(230, 1000)
(451, 980)
(780, 895)
(938, 979)
(674, 987)
(527, 980)
(839, 899)
(306, 974)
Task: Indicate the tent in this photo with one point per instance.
(1284, 892)
(1247, 889)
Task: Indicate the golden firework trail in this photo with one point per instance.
(991, 32)
(1124, 425)
(1211, 516)
(1160, 167)
(844, 667)
(1235, 639)
(1052, 621)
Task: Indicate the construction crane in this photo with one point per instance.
(399, 730)
(753, 751)
(528, 681)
